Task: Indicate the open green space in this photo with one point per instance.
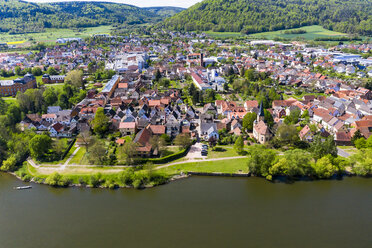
(224, 166)
(312, 32)
(52, 34)
(222, 35)
(222, 152)
(79, 156)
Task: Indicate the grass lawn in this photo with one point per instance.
(51, 35)
(224, 34)
(79, 156)
(223, 166)
(313, 32)
(55, 86)
(222, 152)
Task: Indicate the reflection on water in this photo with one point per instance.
(195, 212)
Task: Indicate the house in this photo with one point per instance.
(261, 132)
(157, 129)
(127, 128)
(306, 134)
(208, 130)
(249, 105)
(142, 140)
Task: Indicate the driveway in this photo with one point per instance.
(195, 152)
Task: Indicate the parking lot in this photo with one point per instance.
(195, 152)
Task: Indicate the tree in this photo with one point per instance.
(320, 148)
(157, 75)
(59, 146)
(86, 139)
(75, 78)
(128, 152)
(362, 162)
(52, 71)
(159, 144)
(9, 164)
(97, 153)
(18, 71)
(3, 106)
(36, 71)
(268, 118)
(100, 123)
(360, 143)
(324, 168)
(287, 134)
(14, 115)
(293, 117)
(248, 121)
(39, 146)
(183, 140)
(261, 159)
(369, 142)
(357, 135)
(239, 145)
(50, 96)
(292, 163)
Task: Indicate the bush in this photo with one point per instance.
(56, 179)
(165, 159)
(95, 180)
(10, 164)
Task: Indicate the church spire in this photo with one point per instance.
(261, 113)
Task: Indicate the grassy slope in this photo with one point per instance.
(313, 32)
(52, 34)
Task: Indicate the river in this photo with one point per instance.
(193, 212)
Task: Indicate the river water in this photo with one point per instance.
(194, 212)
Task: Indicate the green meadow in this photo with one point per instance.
(52, 34)
(312, 32)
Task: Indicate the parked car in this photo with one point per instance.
(204, 153)
(205, 147)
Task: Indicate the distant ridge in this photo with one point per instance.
(21, 17)
(254, 16)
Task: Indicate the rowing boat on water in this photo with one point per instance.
(23, 187)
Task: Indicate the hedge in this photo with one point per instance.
(68, 148)
(165, 159)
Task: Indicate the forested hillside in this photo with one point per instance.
(254, 16)
(21, 17)
(164, 11)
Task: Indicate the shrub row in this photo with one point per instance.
(165, 159)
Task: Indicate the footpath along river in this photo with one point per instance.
(194, 212)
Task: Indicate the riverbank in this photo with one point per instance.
(129, 177)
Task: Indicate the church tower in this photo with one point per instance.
(261, 113)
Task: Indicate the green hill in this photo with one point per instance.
(23, 17)
(165, 11)
(254, 16)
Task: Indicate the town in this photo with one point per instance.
(130, 100)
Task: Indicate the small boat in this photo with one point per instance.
(22, 187)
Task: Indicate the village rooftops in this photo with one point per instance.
(110, 84)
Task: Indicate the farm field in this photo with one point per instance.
(313, 32)
(51, 35)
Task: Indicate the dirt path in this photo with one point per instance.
(69, 159)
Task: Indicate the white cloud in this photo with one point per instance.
(139, 3)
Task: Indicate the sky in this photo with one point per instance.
(139, 3)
